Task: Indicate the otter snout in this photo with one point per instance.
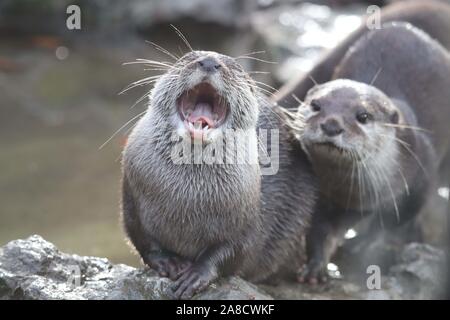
(209, 65)
(331, 127)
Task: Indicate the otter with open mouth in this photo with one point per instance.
(376, 136)
(194, 222)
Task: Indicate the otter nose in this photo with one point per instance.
(209, 64)
(331, 127)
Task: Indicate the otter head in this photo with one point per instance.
(204, 93)
(349, 120)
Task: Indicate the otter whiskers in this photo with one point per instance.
(256, 59)
(183, 38)
(163, 50)
(136, 117)
(151, 63)
(403, 126)
(407, 147)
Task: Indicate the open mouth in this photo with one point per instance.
(202, 109)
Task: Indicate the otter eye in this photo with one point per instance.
(363, 117)
(315, 106)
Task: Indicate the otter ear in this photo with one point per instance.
(395, 117)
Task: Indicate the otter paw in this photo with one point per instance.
(313, 274)
(168, 266)
(191, 281)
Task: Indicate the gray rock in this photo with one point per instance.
(420, 272)
(35, 269)
(417, 275)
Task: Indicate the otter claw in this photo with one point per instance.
(313, 274)
(191, 281)
(168, 266)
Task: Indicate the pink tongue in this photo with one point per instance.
(201, 112)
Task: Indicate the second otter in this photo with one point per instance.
(376, 148)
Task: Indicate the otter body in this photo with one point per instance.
(376, 135)
(196, 221)
(431, 16)
(288, 197)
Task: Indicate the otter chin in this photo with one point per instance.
(329, 148)
(202, 110)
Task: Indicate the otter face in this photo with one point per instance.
(204, 93)
(348, 119)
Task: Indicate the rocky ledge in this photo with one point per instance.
(35, 269)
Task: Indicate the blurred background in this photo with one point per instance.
(59, 97)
